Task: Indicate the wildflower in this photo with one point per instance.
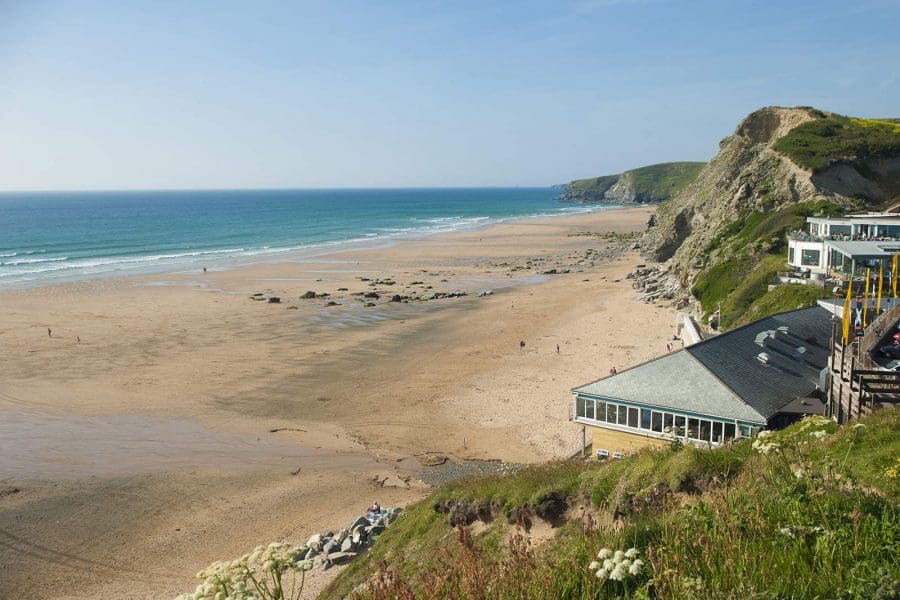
(594, 565)
(635, 569)
(609, 564)
(619, 573)
(818, 434)
(631, 553)
(858, 426)
(605, 553)
(602, 574)
(618, 556)
(798, 471)
(764, 434)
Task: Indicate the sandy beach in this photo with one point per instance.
(189, 423)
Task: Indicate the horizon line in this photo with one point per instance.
(273, 189)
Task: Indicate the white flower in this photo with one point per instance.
(618, 556)
(858, 426)
(636, 567)
(764, 434)
(609, 564)
(602, 574)
(631, 553)
(818, 434)
(594, 565)
(619, 573)
(605, 553)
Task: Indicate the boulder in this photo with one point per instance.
(308, 295)
(359, 522)
(315, 541)
(348, 545)
(274, 300)
(369, 304)
(329, 547)
(373, 295)
(340, 558)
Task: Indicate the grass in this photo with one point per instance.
(750, 251)
(781, 299)
(832, 138)
(659, 182)
(653, 183)
(815, 516)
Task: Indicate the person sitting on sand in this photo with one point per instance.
(375, 508)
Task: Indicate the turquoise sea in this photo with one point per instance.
(48, 238)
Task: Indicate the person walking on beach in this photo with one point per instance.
(522, 345)
(77, 339)
(557, 349)
(49, 333)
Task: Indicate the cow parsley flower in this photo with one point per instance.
(635, 568)
(631, 553)
(605, 553)
(594, 565)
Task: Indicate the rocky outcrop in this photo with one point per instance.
(748, 175)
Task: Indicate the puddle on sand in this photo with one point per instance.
(41, 446)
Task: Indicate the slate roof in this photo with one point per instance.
(768, 386)
(723, 376)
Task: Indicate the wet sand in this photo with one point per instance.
(192, 423)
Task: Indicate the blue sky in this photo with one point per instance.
(218, 94)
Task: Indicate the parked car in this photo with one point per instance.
(889, 351)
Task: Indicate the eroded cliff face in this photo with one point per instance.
(748, 175)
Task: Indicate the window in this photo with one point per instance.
(729, 431)
(680, 426)
(717, 432)
(667, 421)
(579, 406)
(589, 409)
(705, 429)
(693, 428)
(601, 410)
(791, 255)
(623, 415)
(645, 418)
(611, 413)
(633, 417)
(746, 431)
(657, 422)
(809, 258)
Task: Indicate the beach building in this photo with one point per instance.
(763, 375)
(844, 245)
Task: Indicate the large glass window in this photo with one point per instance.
(611, 413)
(589, 409)
(579, 406)
(746, 431)
(717, 432)
(601, 410)
(705, 430)
(810, 258)
(791, 255)
(693, 428)
(645, 418)
(657, 422)
(680, 426)
(623, 415)
(667, 421)
(729, 431)
(632, 417)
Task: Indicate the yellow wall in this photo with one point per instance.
(620, 441)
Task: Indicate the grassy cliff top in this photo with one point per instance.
(809, 512)
(832, 138)
(656, 182)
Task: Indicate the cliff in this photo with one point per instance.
(653, 183)
(723, 235)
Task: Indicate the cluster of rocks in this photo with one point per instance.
(323, 550)
(449, 471)
(654, 283)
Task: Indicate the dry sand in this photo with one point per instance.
(147, 451)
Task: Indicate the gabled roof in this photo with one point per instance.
(748, 374)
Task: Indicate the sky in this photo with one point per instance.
(332, 93)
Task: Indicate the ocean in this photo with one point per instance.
(54, 237)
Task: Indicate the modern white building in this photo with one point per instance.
(843, 245)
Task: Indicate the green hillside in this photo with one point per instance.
(832, 138)
(653, 183)
(809, 512)
(662, 181)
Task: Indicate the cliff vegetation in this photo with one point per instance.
(653, 183)
(724, 234)
(808, 512)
